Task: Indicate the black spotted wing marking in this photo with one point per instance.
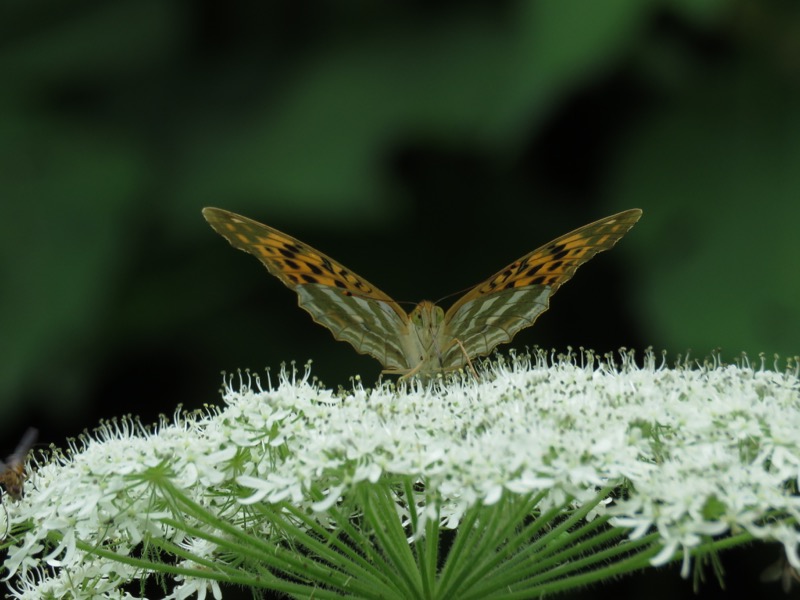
(494, 311)
(353, 309)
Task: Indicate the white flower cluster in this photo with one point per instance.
(703, 451)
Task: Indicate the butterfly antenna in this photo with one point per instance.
(459, 293)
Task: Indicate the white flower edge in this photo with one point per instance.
(705, 450)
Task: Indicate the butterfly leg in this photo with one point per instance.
(404, 373)
(466, 356)
(411, 372)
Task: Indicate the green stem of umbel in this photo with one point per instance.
(517, 547)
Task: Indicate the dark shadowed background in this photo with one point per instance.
(423, 146)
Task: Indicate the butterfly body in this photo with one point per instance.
(428, 340)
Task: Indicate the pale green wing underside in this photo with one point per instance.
(354, 310)
(484, 323)
(494, 311)
(369, 325)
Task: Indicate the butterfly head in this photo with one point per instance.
(426, 315)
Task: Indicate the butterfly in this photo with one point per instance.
(426, 340)
(12, 471)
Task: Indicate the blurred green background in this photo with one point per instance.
(423, 145)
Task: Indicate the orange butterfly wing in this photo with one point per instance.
(494, 311)
(353, 309)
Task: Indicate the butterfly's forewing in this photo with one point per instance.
(12, 472)
(353, 309)
(494, 311)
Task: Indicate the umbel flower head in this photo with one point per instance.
(549, 473)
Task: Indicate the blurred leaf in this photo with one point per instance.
(111, 39)
(717, 177)
(317, 139)
(65, 231)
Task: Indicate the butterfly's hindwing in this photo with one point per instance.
(371, 327)
(484, 322)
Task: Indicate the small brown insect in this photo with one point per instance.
(12, 471)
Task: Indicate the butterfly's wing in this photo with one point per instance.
(494, 311)
(353, 309)
(12, 472)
